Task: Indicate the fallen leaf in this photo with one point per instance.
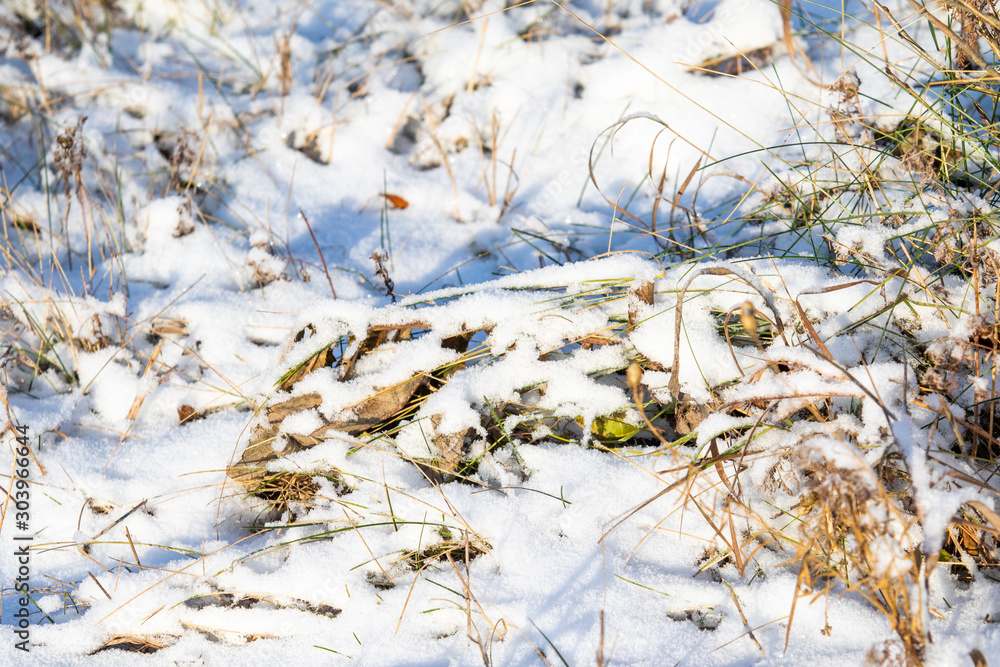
(396, 201)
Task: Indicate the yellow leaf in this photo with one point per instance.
(613, 429)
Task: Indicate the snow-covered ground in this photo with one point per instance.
(198, 197)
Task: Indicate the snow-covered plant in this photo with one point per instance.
(691, 298)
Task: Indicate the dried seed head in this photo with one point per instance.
(748, 318)
(633, 375)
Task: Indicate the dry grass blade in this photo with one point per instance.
(319, 251)
(730, 269)
(743, 618)
(968, 50)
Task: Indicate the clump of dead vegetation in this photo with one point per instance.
(879, 482)
(400, 406)
(847, 421)
(879, 461)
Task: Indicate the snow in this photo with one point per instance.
(197, 281)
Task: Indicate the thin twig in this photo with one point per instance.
(319, 252)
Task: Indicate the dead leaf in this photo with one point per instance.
(644, 294)
(735, 65)
(186, 413)
(379, 408)
(689, 415)
(384, 405)
(322, 359)
(374, 338)
(396, 201)
(138, 643)
(449, 445)
(277, 413)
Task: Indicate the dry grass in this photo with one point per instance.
(858, 511)
(850, 511)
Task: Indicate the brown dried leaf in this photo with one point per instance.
(736, 65)
(459, 342)
(322, 359)
(309, 144)
(384, 405)
(450, 445)
(374, 338)
(277, 413)
(138, 643)
(689, 416)
(186, 413)
(249, 470)
(379, 408)
(643, 293)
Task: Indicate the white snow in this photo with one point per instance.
(196, 281)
